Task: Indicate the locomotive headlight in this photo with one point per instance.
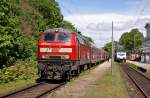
(45, 56)
(45, 50)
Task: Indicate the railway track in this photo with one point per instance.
(37, 90)
(142, 82)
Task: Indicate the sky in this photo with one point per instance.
(94, 17)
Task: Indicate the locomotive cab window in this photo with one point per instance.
(64, 37)
(49, 37)
(81, 41)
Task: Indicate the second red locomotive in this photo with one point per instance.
(63, 53)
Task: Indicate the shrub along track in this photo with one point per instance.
(37, 90)
(142, 82)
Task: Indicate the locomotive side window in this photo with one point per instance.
(63, 37)
(49, 37)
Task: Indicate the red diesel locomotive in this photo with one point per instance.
(63, 53)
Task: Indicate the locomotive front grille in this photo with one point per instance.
(55, 57)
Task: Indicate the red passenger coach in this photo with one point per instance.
(104, 55)
(95, 54)
(134, 57)
(63, 53)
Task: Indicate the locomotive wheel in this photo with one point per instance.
(67, 76)
(77, 72)
(89, 66)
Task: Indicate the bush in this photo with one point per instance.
(22, 70)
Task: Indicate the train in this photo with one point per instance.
(135, 57)
(63, 53)
(120, 56)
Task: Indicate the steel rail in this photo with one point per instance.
(31, 90)
(141, 81)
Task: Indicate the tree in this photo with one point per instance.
(108, 47)
(50, 11)
(68, 25)
(126, 40)
(9, 33)
(131, 40)
(88, 39)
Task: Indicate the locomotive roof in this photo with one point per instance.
(59, 30)
(68, 31)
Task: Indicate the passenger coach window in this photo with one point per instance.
(63, 37)
(49, 37)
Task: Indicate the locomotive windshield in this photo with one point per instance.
(63, 37)
(57, 36)
(49, 37)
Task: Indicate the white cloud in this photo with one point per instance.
(98, 26)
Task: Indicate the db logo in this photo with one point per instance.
(55, 49)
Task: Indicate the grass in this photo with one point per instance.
(147, 74)
(108, 86)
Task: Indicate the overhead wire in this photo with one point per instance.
(141, 12)
(141, 8)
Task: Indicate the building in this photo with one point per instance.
(145, 57)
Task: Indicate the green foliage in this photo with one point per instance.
(68, 25)
(9, 32)
(88, 39)
(131, 40)
(26, 47)
(50, 11)
(108, 47)
(45, 14)
(22, 70)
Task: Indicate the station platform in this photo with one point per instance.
(143, 65)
